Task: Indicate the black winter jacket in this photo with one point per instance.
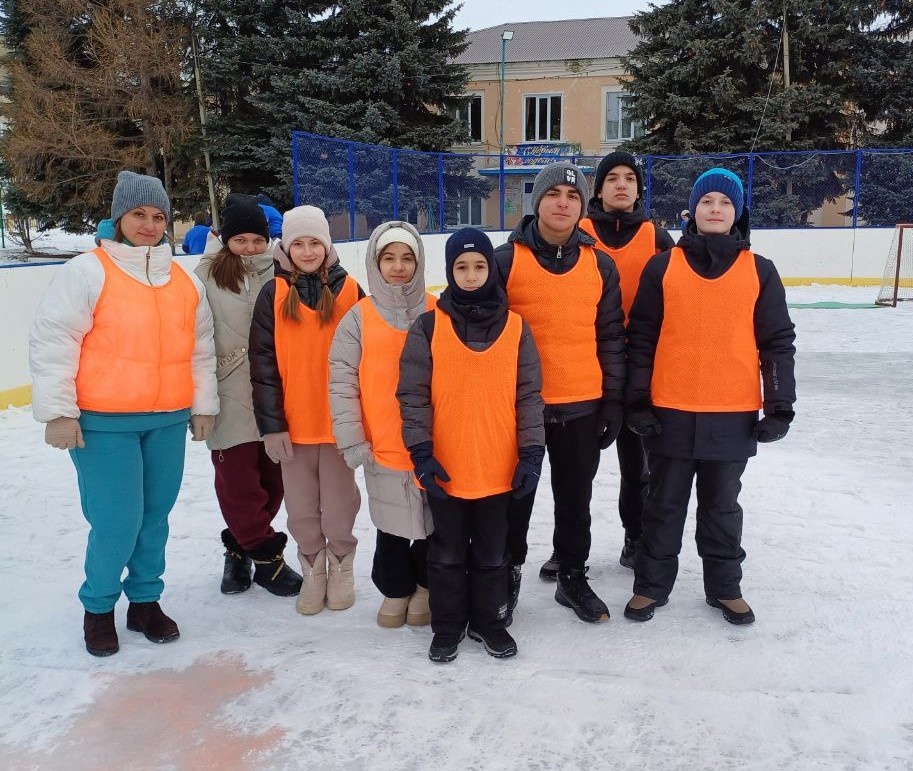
(478, 328)
(712, 435)
(264, 369)
(610, 335)
(617, 228)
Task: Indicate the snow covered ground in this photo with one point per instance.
(821, 681)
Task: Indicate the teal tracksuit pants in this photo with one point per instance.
(129, 476)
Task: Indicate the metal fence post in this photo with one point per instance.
(295, 168)
(501, 191)
(351, 154)
(440, 192)
(857, 187)
(394, 159)
(648, 188)
(751, 157)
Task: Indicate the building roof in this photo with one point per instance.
(543, 41)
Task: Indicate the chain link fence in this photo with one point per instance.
(360, 185)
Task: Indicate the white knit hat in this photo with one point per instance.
(395, 235)
(306, 222)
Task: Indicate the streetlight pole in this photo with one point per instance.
(506, 35)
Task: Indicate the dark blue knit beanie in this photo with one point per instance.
(718, 181)
(471, 240)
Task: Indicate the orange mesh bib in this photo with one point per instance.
(378, 376)
(561, 313)
(630, 259)
(707, 356)
(474, 398)
(303, 358)
(137, 356)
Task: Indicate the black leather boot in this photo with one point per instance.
(236, 574)
(100, 634)
(574, 592)
(270, 570)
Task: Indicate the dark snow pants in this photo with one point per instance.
(249, 490)
(467, 564)
(399, 565)
(632, 467)
(718, 527)
(573, 455)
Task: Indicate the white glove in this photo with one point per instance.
(201, 426)
(64, 433)
(357, 454)
(278, 447)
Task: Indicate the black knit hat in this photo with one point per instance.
(471, 240)
(618, 158)
(243, 216)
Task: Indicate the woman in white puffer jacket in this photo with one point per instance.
(122, 359)
(364, 371)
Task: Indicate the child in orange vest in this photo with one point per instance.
(122, 358)
(710, 342)
(292, 328)
(364, 370)
(469, 394)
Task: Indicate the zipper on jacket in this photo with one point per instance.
(148, 257)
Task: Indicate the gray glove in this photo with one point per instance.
(357, 454)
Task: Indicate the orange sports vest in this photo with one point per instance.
(561, 313)
(137, 356)
(630, 259)
(707, 356)
(378, 376)
(474, 399)
(303, 358)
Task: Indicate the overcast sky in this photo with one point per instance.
(478, 14)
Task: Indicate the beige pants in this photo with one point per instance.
(321, 499)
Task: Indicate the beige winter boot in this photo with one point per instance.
(392, 613)
(312, 597)
(340, 581)
(419, 612)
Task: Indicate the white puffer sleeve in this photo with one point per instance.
(203, 360)
(345, 390)
(62, 319)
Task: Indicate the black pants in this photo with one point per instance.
(632, 466)
(467, 564)
(399, 565)
(573, 454)
(718, 527)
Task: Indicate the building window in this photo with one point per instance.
(469, 210)
(471, 114)
(543, 118)
(619, 124)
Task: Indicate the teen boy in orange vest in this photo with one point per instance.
(469, 393)
(710, 342)
(567, 291)
(616, 218)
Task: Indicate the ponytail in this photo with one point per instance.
(327, 299)
(290, 306)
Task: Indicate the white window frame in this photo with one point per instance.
(473, 96)
(619, 97)
(549, 96)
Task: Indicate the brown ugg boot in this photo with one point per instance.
(150, 619)
(392, 613)
(312, 597)
(340, 581)
(419, 612)
(100, 634)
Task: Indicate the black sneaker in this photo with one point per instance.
(733, 616)
(629, 552)
(497, 643)
(445, 646)
(574, 592)
(549, 571)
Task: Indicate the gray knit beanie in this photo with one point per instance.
(134, 190)
(561, 173)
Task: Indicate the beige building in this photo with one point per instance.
(560, 82)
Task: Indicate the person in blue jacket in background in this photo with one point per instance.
(195, 240)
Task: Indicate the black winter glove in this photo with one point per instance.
(528, 471)
(608, 422)
(428, 470)
(771, 428)
(643, 421)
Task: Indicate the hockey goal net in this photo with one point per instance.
(897, 284)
